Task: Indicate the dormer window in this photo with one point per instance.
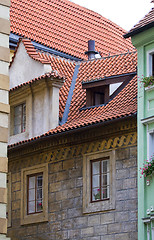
(97, 95)
(20, 118)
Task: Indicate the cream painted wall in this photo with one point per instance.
(24, 68)
(42, 110)
(41, 98)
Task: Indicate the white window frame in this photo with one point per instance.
(149, 62)
(149, 133)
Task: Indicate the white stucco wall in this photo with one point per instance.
(24, 68)
(42, 112)
(114, 87)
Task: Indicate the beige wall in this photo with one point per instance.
(4, 109)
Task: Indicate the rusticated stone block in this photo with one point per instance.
(122, 153)
(85, 232)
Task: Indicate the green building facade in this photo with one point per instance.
(142, 36)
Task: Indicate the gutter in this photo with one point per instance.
(139, 30)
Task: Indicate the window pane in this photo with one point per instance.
(17, 129)
(31, 195)
(39, 206)
(39, 193)
(31, 207)
(104, 180)
(96, 194)
(18, 110)
(105, 166)
(104, 191)
(96, 181)
(31, 182)
(39, 181)
(96, 167)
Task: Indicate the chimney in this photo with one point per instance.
(91, 50)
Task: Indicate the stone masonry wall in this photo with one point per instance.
(66, 218)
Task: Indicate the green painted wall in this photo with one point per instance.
(144, 42)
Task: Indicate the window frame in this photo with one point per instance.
(150, 59)
(149, 137)
(29, 176)
(38, 216)
(100, 176)
(106, 204)
(23, 123)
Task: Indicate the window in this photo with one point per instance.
(34, 194)
(99, 181)
(150, 63)
(20, 118)
(151, 144)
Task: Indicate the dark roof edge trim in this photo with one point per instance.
(139, 30)
(15, 38)
(110, 77)
(43, 138)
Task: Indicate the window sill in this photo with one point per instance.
(34, 218)
(18, 137)
(150, 88)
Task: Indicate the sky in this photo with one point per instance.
(125, 13)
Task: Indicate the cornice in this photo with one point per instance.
(72, 139)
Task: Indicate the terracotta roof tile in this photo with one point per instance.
(123, 105)
(60, 68)
(66, 27)
(98, 69)
(31, 51)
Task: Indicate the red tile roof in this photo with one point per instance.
(60, 68)
(124, 104)
(66, 27)
(109, 66)
(97, 69)
(31, 51)
(146, 22)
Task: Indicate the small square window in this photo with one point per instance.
(34, 194)
(19, 118)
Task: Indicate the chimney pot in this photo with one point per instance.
(91, 50)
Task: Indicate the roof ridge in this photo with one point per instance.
(31, 51)
(111, 56)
